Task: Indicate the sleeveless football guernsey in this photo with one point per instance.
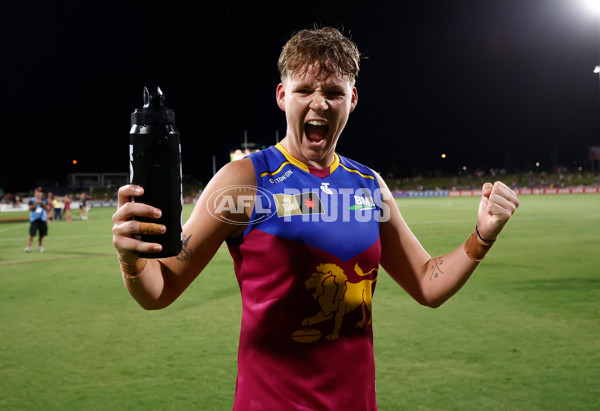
(307, 267)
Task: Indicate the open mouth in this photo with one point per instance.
(316, 132)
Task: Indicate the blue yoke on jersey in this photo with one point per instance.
(307, 267)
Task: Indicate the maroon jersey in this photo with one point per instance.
(307, 268)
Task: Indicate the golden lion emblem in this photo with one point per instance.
(337, 296)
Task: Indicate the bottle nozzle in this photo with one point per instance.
(154, 110)
(156, 99)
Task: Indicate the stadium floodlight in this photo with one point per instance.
(597, 69)
(593, 6)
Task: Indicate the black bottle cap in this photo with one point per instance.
(154, 110)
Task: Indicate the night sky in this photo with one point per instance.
(494, 83)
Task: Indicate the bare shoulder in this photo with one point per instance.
(222, 198)
(239, 172)
(381, 181)
(386, 194)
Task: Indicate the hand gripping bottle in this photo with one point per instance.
(155, 164)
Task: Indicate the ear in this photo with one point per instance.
(354, 99)
(280, 96)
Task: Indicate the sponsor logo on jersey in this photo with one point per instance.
(325, 188)
(281, 178)
(361, 203)
(298, 204)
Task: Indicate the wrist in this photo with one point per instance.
(476, 247)
(132, 270)
(484, 240)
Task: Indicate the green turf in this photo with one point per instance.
(523, 334)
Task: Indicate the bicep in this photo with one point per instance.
(212, 221)
(402, 255)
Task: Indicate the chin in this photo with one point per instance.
(316, 154)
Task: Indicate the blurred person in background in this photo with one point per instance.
(50, 206)
(57, 204)
(38, 219)
(68, 216)
(83, 206)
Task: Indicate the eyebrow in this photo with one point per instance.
(325, 87)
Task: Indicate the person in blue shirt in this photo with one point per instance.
(38, 218)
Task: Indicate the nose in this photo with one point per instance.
(318, 103)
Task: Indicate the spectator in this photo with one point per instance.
(38, 219)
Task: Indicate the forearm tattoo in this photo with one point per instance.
(186, 251)
(435, 268)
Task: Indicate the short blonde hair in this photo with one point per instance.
(326, 49)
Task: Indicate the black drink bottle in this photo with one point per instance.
(155, 164)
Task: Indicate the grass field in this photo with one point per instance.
(523, 334)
